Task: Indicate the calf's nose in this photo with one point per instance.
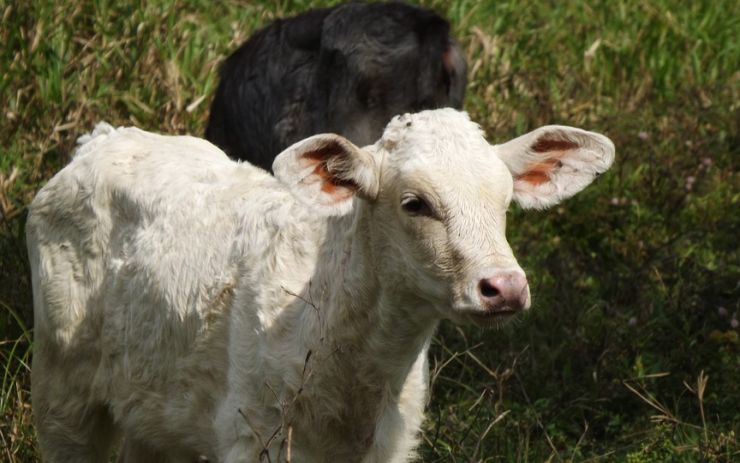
(504, 290)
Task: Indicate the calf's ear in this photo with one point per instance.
(326, 171)
(553, 163)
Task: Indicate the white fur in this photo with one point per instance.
(203, 307)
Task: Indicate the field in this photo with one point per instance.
(632, 349)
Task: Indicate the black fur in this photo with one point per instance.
(347, 70)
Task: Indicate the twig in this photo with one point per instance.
(580, 440)
(701, 387)
(653, 403)
(537, 417)
(500, 417)
(257, 434)
(310, 302)
(288, 455)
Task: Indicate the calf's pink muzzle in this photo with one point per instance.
(504, 292)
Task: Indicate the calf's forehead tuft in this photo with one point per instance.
(440, 136)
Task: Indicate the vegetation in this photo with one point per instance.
(631, 350)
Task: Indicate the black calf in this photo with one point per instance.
(347, 69)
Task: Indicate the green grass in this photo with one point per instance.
(636, 281)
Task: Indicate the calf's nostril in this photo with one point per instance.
(487, 289)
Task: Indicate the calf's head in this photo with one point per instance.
(436, 194)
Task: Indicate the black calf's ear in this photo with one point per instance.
(440, 56)
(457, 73)
(304, 32)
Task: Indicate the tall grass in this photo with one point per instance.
(631, 350)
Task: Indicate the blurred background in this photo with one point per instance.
(631, 351)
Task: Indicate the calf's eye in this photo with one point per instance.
(413, 205)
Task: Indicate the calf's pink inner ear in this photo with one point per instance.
(331, 183)
(537, 173)
(543, 145)
(447, 57)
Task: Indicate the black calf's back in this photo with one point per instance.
(347, 69)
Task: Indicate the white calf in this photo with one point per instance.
(203, 307)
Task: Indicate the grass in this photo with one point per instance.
(631, 352)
